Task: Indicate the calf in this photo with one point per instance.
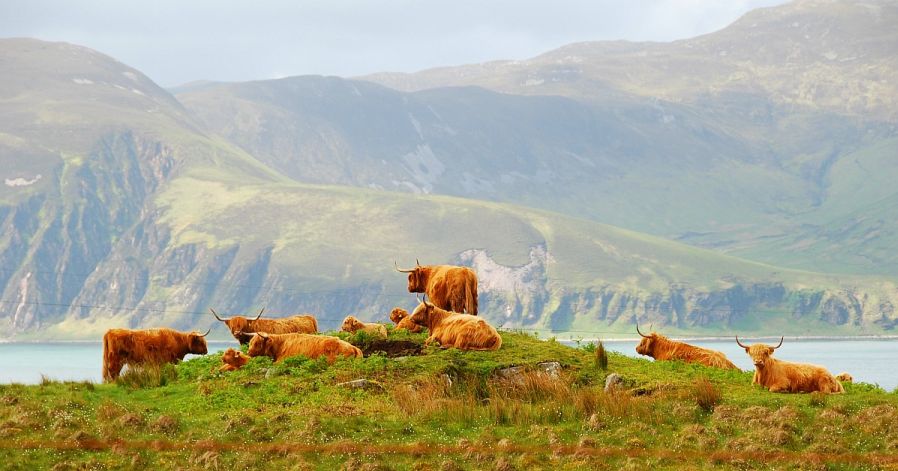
(233, 360)
(403, 321)
(351, 324)
(280, 346)
(783, 376)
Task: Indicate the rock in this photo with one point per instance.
(551, 368)
(512, 373)
(361, 384)
(613, 381)
(447, 380)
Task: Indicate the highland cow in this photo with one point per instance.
(403, 320)
(660, 347)
(233, 360)
(280, 346)
(452, 329)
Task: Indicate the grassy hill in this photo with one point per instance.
(444, 409)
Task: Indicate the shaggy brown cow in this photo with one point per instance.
(660, 347)
(352, 325)
(403, 321)
(301, 324)
(233, 360)
(154, 346)
(845, 378)
(783, 376)
(448, 286)
(451, 329)
(280, 346)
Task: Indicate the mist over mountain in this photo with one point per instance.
(738, 180)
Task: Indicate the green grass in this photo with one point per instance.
(443, 406)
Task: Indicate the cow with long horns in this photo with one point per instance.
(783, 376)
(449, 287)
(280, 346)
(242, 328)
(660, 347)
(452, 329)
(153, 346)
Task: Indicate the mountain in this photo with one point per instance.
(124, 205)
(733, 141)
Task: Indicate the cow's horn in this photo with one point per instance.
(216, 315)
(260, 314)
(400, 269)
(639, 332)
(207, 332)
(740, 343)
(780, 344)
(417, 263)
(424, 300)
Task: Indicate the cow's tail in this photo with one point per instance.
(471, 299)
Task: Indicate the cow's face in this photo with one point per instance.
(647, 346)
(237, 324)
(421, 315)
(197, 344)
(397, 314)
(258, 345)
(351, 324)
(759, 353)
(417, 280)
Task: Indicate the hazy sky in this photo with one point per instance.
(177, 41)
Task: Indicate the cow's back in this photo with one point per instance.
(467, 332)
(314, 346)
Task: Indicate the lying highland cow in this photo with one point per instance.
(660, 347)
(783, 376)
(280, 346)
(451, 329)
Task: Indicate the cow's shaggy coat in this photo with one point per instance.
(280, 346)
(153, 346)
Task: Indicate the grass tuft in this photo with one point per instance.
(147, 376)
(706, 395)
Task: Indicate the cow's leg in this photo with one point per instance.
(113, 368)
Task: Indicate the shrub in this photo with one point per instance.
(707, 396)
(601, 357)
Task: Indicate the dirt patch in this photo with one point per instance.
(391, 348)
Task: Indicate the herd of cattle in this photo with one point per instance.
(451, 320)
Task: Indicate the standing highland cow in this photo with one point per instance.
(449, 287)
(153, 346)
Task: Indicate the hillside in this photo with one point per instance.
(531, 405)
